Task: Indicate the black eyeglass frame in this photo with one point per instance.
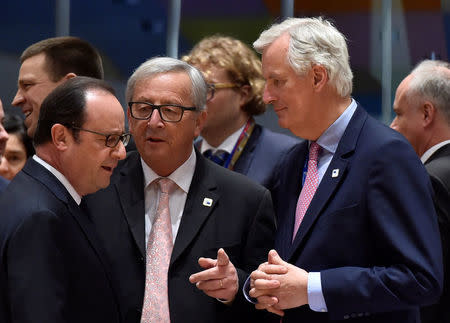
(158, 107)
(125, 137)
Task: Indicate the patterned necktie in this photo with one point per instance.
(309, 187)
(219, 157)
(159, 250)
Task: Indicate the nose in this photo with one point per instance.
(3, 134)
(3, 167)
(119, 151)
(155, 119)
(394, 124)
(18, 99)
(268, 97)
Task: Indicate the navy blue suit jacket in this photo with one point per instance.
(371, 231)
(52, 268)
(260, 160)
(3, 183)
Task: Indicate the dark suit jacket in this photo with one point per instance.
(241, 220)
(438, 166)
(371, 231)
(3, 183)
(51, 265)
(260, 160)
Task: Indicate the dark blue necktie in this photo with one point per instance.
(219, 157)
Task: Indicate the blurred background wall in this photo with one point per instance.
(127, 32)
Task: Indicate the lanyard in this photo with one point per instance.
(240, 144)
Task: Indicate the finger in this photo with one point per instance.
(207, 263)
(274, 258)
(208, 274)
(258, 292)
(273, 269)
(264, 284)
(222, 258)
(263, 264)
(257, 274)
(210, 285)
(265, 301)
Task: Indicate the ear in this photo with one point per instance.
(428, 113)
(69, 76)
(320, 77)
(245, 92)
(61, 137)
(200, 122)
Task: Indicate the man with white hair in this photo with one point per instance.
(357, 235)
(422, 107)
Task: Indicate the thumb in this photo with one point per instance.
(274, 258)
(222, 258)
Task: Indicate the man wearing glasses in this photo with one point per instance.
(53, 266)
(231, 137)
(168, 207)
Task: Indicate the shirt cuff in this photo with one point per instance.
(246, 290)
(316, 300)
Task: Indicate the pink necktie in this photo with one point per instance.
(309, 187)
(159, 250)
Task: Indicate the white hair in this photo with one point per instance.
(431, 81)
(313, 41)
(158, 65)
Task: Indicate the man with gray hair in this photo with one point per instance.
(181, 232)
(422, 107)
(357, 234)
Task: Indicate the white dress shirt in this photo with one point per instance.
(60, 177)
(182, 176)
(432, 150)
(227, 145)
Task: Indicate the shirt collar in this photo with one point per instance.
(227, 145)
(329, 140)
(60, 177)
(182, 176)
(432, 150)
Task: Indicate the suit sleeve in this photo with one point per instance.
(36, 283)
(406, 268)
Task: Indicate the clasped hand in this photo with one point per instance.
(278, 285)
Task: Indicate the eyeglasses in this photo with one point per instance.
(167, 112)
(212, 87)
(111, 140)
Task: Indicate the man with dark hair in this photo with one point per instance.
(53, 267)
(3, 140)
(422, 107)
(48, 63)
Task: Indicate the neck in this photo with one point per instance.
(215, 136)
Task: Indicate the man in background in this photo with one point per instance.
(53, 267)
(357, 235)
(231, 137)
(182, 233)
(3, 140)
(422, 108)
(48, 63)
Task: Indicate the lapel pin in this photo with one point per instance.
(335, 173)
(207, 202)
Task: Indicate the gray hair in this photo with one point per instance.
(313, 41)
(158, 65)
(431, 81)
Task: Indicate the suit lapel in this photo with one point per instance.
(131, 194)
(245, 160)
(330, 183)
(196, 209)
(441, 152)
